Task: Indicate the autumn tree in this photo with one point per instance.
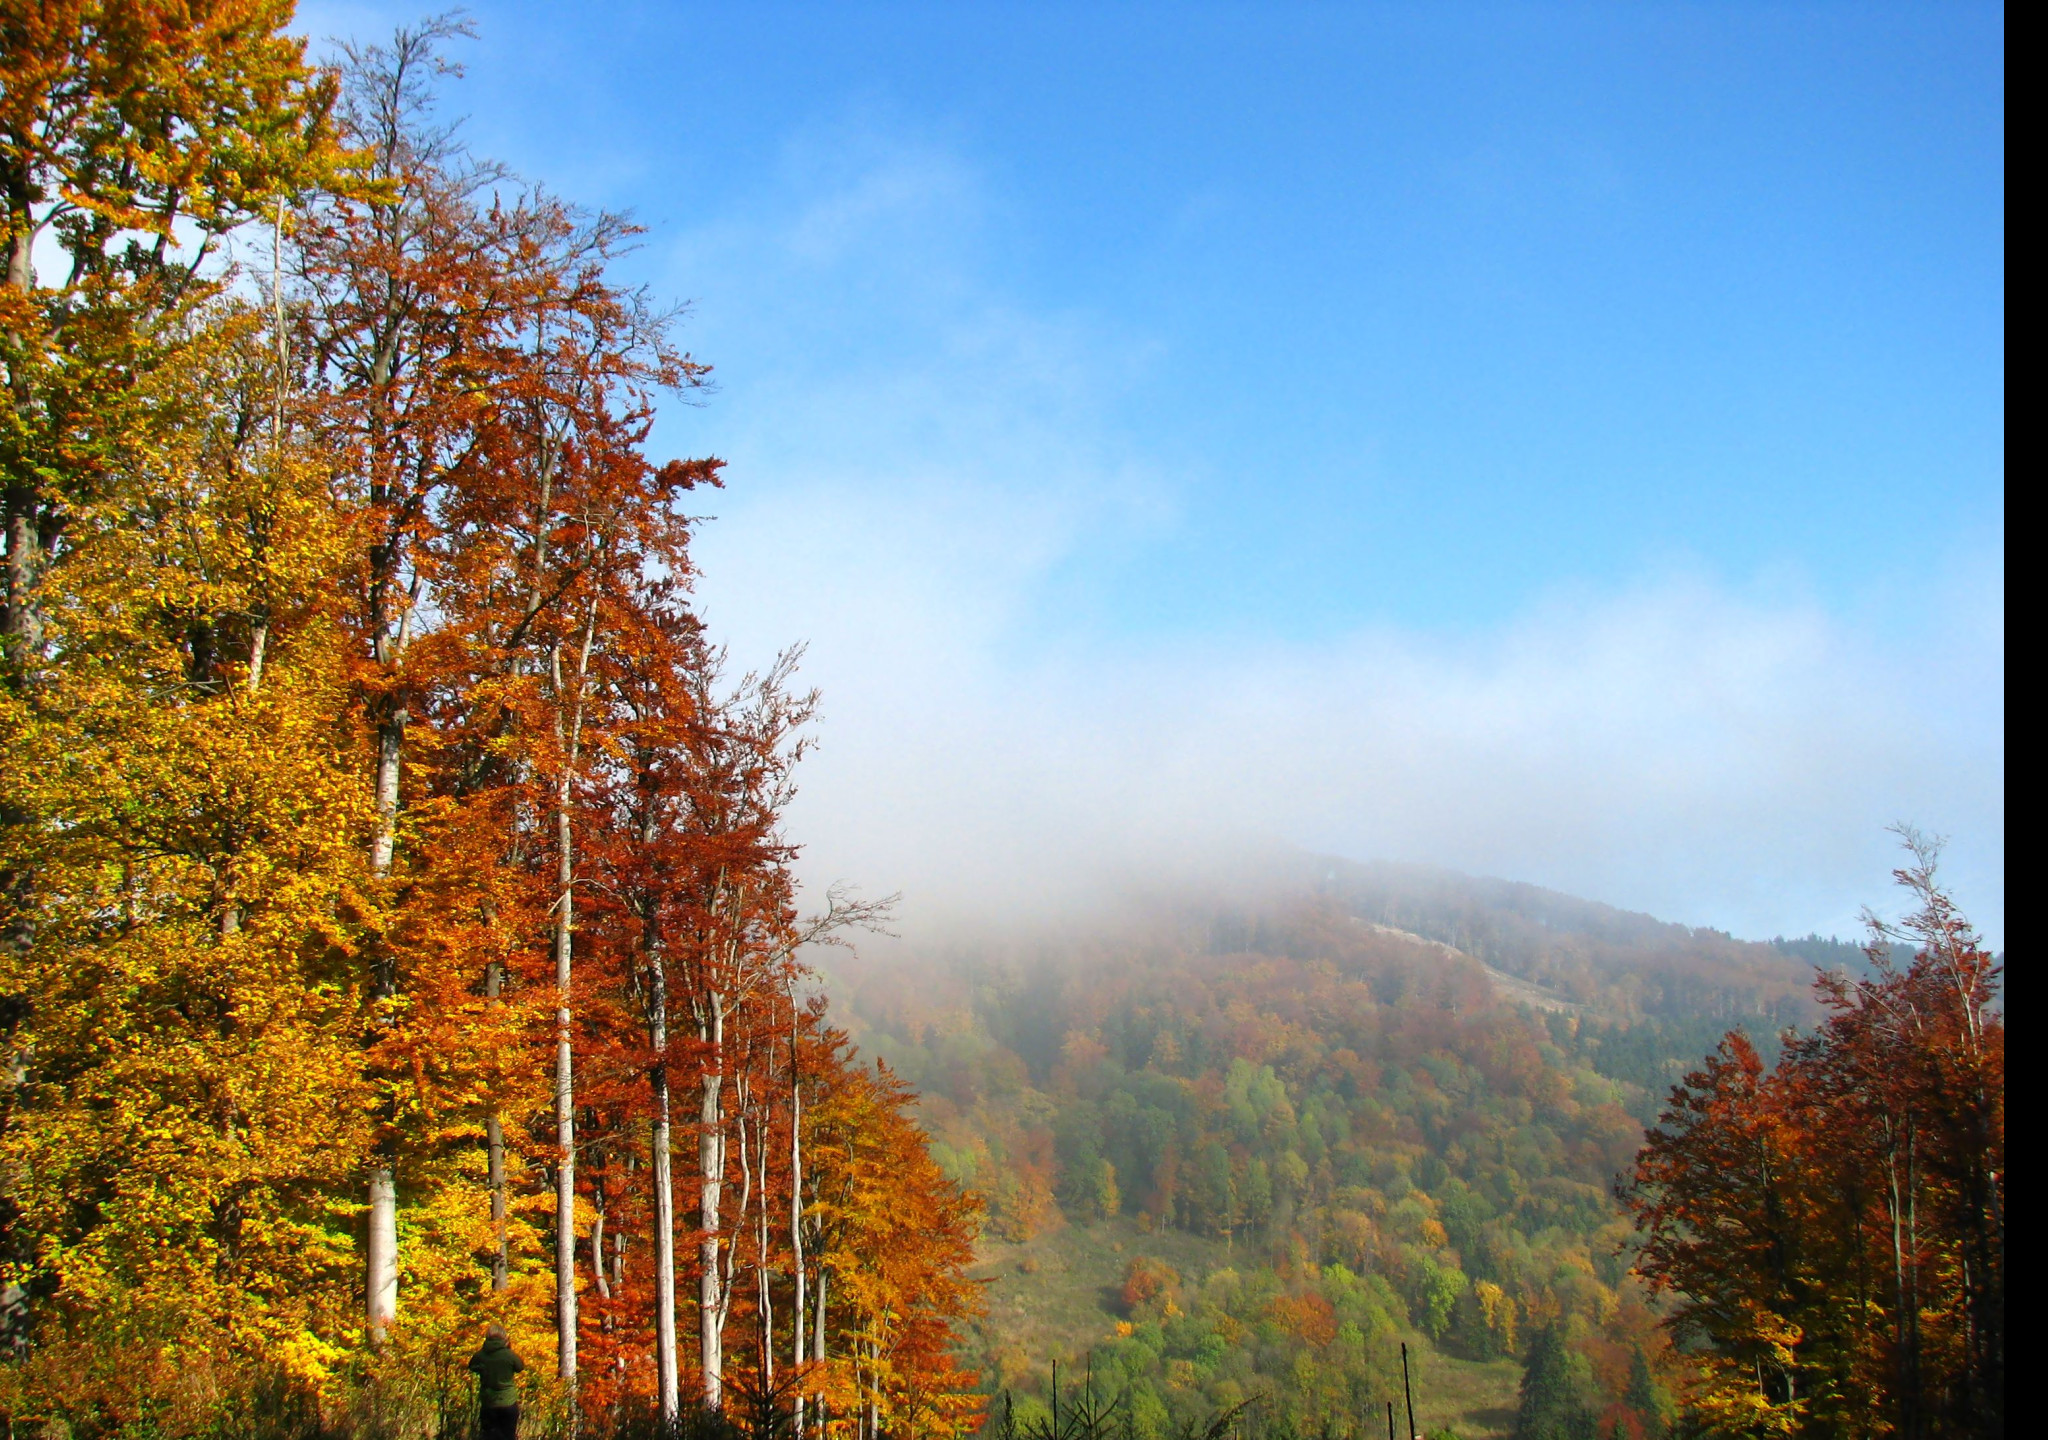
(735, 944)
(894, 1238)
(181, 1124)
(135, 135)
(1832, 1228)
(133, 139)
(386, 850)
(401, 290)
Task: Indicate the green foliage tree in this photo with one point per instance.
(1213, 1196)
(1552, 1404)
(1646, 1397)
(1438, 1288)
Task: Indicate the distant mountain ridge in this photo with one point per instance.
(1584, 952)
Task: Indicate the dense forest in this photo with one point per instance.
(1375, 1140)
(1830, 1228)
(1294, 1137)
(399, 932)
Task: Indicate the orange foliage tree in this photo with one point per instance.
(1833, 1228)
(386, 853)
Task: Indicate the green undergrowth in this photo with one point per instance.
(1062, 1298)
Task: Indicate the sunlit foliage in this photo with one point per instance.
(395, 902)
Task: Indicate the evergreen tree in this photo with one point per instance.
(1553, 1404)
(1645, 1396)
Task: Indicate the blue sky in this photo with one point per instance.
(1564, 441)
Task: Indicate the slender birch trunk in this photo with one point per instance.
(565, 1095)
(874, 1387)
(796, 1209)
(598, 1278)
(763, 1289)
(501, 1258)
(741, 1099)
(259, 620)
(710, 1183)
(715, 1281)
(668, 1381)
(818, 1315)
(381, 1259)
(661, 1144)
(569, 738)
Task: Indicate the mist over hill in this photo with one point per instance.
(1621, 962)
(1221, 1124)
(1564, 950)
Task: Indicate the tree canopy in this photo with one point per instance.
(397, 902)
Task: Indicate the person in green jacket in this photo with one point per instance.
(497, 1390)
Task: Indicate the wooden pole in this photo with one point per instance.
(1407, 1390)
(1390, 1420)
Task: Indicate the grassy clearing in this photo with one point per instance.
(1055, 1296)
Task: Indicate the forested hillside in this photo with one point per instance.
(1314, 1135)
(1237, 1153)
(1622, 964)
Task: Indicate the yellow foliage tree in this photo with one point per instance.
(176, 1142)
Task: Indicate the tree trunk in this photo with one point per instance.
(21, 619)
(764, 1289)
(599, 1280)
(728, 1283)
(23, 624)
(21, 255)
(874, 1388)
(569, 736)
(381, 1261)
(494, 1150)
(383, 1253)
(501, 1259)
(565, 1096)
(390, 755)
(710, 1181)
(667, 1375)
(796, 1213)
(668, 1381)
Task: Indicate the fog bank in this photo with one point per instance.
(1675, 748)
